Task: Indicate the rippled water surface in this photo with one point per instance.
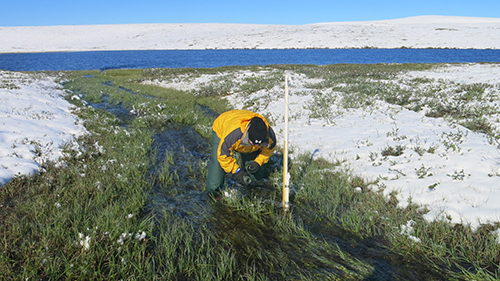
(215, 58)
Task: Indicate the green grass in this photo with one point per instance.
(92, 216)
(88, 195)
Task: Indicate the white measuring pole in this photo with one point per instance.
(286, 189)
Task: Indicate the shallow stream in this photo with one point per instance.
(182, 154)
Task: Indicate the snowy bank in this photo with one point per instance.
(35, 123)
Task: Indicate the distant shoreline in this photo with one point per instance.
(216, 49)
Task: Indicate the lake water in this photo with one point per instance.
(215, 58)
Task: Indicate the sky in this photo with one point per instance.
(292, 12)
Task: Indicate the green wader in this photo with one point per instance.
(216, 175)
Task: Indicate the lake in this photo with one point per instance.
(215, 58)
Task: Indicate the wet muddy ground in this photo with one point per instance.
(183, 154)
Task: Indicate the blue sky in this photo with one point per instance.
(75, 12)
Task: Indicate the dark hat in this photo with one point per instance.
(257, 133)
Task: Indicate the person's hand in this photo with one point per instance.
(242, 177)
(253, 167)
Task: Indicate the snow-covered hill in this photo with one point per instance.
(413, 32)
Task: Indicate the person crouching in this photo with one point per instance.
(246, 133)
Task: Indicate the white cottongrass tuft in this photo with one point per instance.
(408, 231)
(140, 236)
(84, 242)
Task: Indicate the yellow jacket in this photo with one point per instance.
(231, 127)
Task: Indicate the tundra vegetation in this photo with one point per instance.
(103, 212)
